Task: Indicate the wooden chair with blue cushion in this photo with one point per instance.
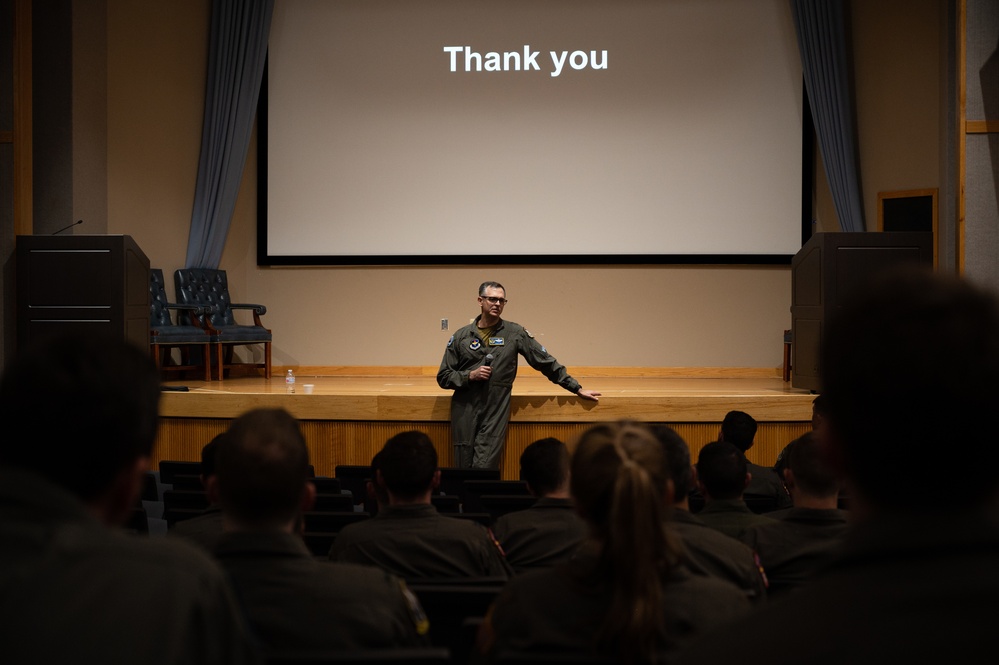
(165, 334)
(209, 289)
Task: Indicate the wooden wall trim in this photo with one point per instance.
(358, 407)
(981, 127)
(578, 372)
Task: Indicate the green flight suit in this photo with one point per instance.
(480, 409)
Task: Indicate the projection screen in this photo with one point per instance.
(530, 131)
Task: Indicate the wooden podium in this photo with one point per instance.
(825, 270)
(82, 282)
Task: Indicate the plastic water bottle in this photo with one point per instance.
(289, 381)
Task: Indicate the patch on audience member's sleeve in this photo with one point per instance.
(416, 612)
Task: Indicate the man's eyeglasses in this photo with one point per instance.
(494, 301)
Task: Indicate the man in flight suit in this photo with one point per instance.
(480, 364)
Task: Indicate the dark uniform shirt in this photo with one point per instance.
(764, 481)
(294, 601)
(561, 608)
(75, 591)
(205, 529)
(547, 533)
(731, 517)
(417, 542)
(480, 409)
(900, 589)
(792, 547)
(709, 552)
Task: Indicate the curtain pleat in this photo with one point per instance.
(821, 29)
(236, 58)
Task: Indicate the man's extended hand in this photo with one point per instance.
(589, 394)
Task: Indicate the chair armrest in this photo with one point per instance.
(197, 310)
(257, 311)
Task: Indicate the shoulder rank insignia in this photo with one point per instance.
(416, 612)
(496, 341)
(528, 333)
(475, 345)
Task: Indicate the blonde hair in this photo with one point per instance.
(619, 477)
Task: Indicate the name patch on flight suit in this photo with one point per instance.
(496, 341)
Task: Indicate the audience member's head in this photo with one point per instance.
(208, 453)
(544, 465)
(374, 489)
(808, 471)
(81, 411)
(739, 429)
(262, 470)
(908, 366)
(408, 464)
(721, 471)
(818, 411)
(621, 485)
(678, 460)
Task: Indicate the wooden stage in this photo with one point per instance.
(349, 416)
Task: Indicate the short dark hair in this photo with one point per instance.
(489, 285)
(819, 405)
(544, 464)
(721, 468)
(677, 459)
(379, 491)
(262, 468)
(78, 409)
(818, 410)
(739, 429)
(208, 454)
(909, 362)
(811, 471)
(408, 462)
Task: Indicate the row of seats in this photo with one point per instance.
(477, 494)
(480, 495)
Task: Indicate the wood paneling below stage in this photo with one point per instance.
(347, 418)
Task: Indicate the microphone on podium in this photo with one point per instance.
(489, 360)
(79, 221)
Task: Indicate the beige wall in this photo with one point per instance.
(896, 67)
(671, 316)
(897, 79)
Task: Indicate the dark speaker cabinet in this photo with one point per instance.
(828, 268)
(82, 282)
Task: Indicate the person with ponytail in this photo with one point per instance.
(624, 596)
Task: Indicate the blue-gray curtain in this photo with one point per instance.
(236, 60)
(821, 29)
